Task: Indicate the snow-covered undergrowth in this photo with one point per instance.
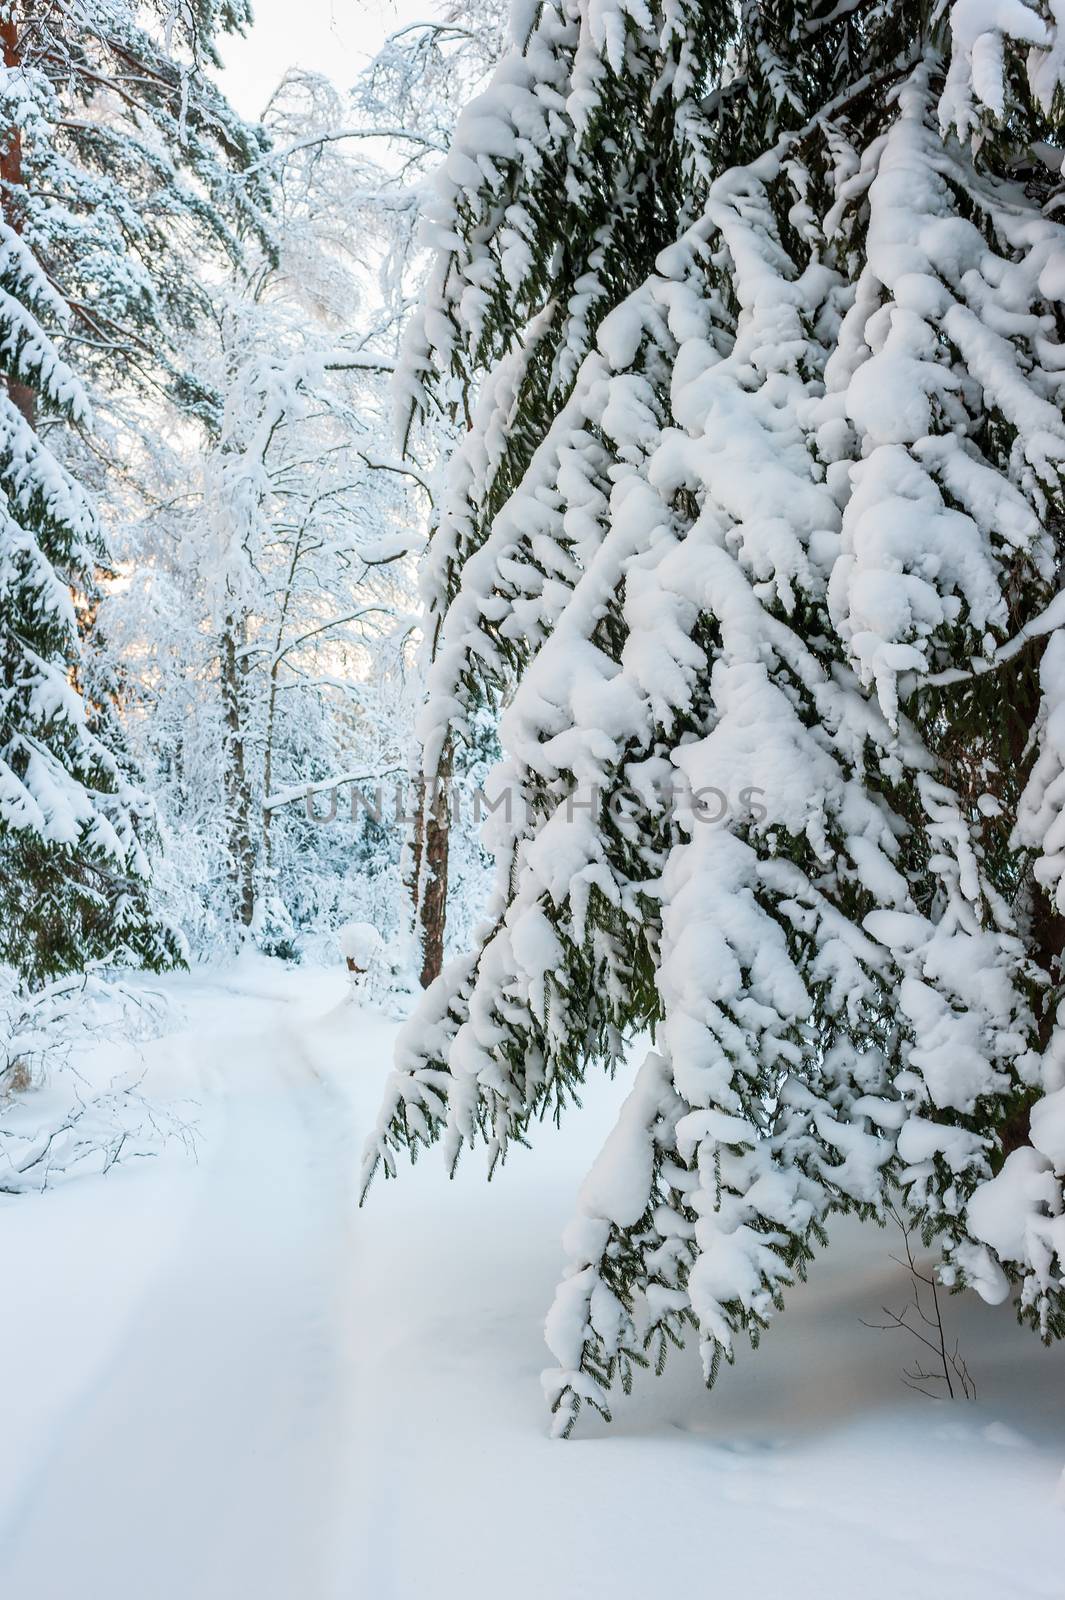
(70, 1079)
(224, 1381)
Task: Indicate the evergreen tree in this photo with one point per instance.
(72, 884)
(768, 580)
(565, 178)
(117, 158)
(125, 169)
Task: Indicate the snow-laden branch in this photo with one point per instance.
(306, 791)
(311, 141)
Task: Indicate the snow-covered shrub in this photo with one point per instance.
(60, 1116)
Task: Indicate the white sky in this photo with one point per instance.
(331, 36)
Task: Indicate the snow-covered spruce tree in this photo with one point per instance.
(72, 864)
(564, 179)
(115, 153)
(125, 171)
(787, 549)
(587, 978)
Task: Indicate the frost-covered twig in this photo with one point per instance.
(116, 1124)
(922, 1318)
(53, 1120)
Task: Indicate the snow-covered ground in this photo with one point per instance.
(220, 1381)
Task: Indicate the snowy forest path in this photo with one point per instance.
(206, 1457)
(221, 1381)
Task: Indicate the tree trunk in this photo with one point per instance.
(237, 787)
(271, 707)
(268, 776)
(429, 867)
(22, 396)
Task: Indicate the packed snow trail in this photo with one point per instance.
(222, 1382)
(204, 1458)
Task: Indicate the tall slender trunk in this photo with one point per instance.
(237, 786)
(429, 863)
(11, 179)
(271, 705)
(268, 779)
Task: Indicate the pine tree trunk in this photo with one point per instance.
(429, 874)
(22, 397)
(237, 787)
